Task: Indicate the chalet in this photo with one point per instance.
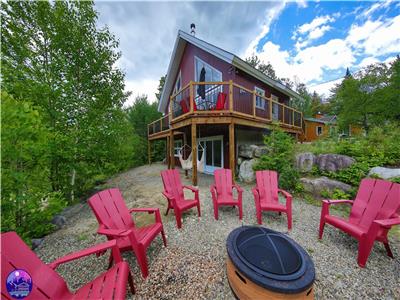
(321, 126)
(212, 102)
(318, 127)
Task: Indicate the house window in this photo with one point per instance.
(275, 107)
(178, 85)
(177, 147)
(319, 130)
(211, 73)
(206, 95)
(260, 102)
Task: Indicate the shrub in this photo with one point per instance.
(280, 158)
(27, 201)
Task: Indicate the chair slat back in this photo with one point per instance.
(172, 184)
(376, 199)
(223, 183)
(267, 184)
(110, 209)
(15, 254)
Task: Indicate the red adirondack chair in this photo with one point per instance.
(266, 196)
(115, 222)
(222, 192)
(48, 284)
(374, 211)
(173, 191)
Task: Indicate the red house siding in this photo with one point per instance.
(188, 73)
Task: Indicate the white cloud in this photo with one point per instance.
(367, 61)
(309, 32)
(141, 87)
(147, 31)
(324, 89)
(308, 27)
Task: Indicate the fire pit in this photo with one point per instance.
(263, 263)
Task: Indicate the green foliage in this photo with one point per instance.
(66, 129)
(380, 147)
(280, 158)
(140, 114)
(27, 201)
(370, 97)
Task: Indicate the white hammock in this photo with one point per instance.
(186, 164)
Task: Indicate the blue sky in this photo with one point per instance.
(310, 42)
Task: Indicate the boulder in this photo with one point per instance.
(305, 161)
(334, 162)
(59, 221)
(260, 151)
(246, 151)
(246, 172)
(317, 185)
(37, 242)
(384, 173)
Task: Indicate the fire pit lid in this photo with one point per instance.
(269, 253)
(270, 259)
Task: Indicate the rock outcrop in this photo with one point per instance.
(246, 172)
(305, 161)
(385, 173)
(317, 185)
(334, 162)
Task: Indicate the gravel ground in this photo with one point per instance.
(193, 264)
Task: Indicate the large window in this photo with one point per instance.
(260, 102)
(206, 95)
(211, 73)
(177, 146)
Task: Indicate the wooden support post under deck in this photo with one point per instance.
(232, 149)
(167, 155)
(194, 155)
(171, 150)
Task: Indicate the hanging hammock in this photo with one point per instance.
(186, 164)
(200, 163)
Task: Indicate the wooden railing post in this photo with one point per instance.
(254, 103)
(154, 127)
(230, 95)
(270, 108)
(292, 117)
(171, 149)
(232, 150)
(191, 95)
(283, 117)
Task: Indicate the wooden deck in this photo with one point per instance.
(240, 108)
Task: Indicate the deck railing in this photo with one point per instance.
(198, 98)
(159, 125)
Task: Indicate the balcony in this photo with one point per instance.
(213, 100)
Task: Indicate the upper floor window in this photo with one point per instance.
(209, 74)
(260, 102)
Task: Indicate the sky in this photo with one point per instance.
(310, 42)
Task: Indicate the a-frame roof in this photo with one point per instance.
(226, 56)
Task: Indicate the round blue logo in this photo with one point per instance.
(19, 284)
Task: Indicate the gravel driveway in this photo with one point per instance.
(193, 264)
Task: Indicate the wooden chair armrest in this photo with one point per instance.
(193, 189)
(92, 250)
(387, 223)
(238, 188)
(329, 202)
(285, 193)
(149, 210)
